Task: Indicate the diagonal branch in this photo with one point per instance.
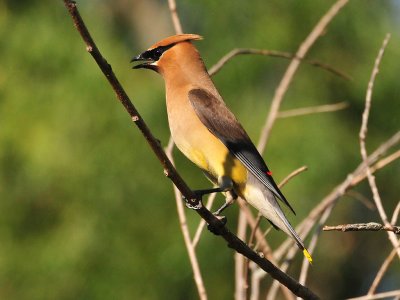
(384, 295)
(190, 247)
(352, 179)
(312, 110)
(243, 51)
(381, 272)
(291, 70)
(175, 18)
(232, 240)
(363, 150)
(330, 200)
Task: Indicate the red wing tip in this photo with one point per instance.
(269, 173)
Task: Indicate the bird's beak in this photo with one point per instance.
(147, 63)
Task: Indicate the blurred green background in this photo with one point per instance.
(85, 210)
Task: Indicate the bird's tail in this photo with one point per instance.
(269, 207)
(290, 230)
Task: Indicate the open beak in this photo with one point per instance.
(147, 63)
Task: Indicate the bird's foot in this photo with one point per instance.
(194, 203)
(230, 199)
(219, 210)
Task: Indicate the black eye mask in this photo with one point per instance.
(155, 54)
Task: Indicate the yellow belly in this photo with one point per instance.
(215, 159)
(199, 145)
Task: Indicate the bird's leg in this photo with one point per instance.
(201, 193)
(229, 200)
(225, 184)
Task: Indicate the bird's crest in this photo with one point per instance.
(174, 39)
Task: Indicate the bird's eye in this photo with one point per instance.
(156, 53)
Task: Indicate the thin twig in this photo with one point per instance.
(350, 181)
(363, 150)
(246, 262)
(202, 223)
(198, 278)
(378, 296)
(381, 272)
(175, 18)
(291, 70)
(395, 214)
(276, 285)
(240, 282)
(361, 198)
(232, 240)
(379, 165)
(264, 248)
(313, 243)
(371, 226)
(266, 232)
(255, 282)
(242, 51)
(307, 224)
(291, 175)
(342, 188)
(312, 110)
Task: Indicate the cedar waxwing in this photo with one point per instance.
(208, 133)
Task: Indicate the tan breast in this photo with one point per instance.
(197, 143)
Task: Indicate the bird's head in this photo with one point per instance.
(156, 56)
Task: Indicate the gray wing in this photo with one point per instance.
(221, 122)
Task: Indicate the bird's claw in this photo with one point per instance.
(194, 203)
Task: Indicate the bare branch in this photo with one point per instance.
(243, 51)
(363, 150)
(198, 278)
(174, 16)
(351, 180)
(381, 272)
(395, 213)
(240, 280)
(360, 197)
(312, 110)
(232, 240)
(288, 77)
(371, 226)
(378, 296)
(379, 165)
(330, 200)
(291, 175)
(313, 244)
(291, 70)
(202, 223)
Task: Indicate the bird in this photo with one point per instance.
(207, 132)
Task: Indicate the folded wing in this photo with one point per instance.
(221, 122)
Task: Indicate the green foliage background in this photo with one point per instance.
(85, 210)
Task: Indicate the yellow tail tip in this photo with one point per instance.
(307, 255)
